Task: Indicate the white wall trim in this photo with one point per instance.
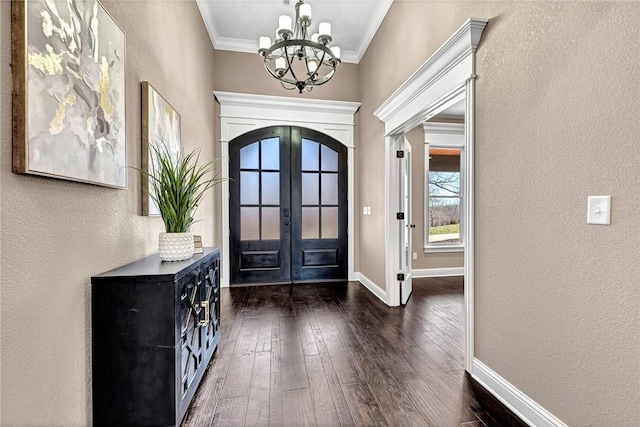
(369, 284)
(521, 404)
(236, 45)
(241, 113)
(443, 133)
(439, 82)
(438, 272)
(449, 67)
(339, 112)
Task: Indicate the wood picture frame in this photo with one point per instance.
(69, 118)
(161, 124)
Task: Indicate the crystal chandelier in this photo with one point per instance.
(297, 60)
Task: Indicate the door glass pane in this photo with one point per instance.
(249, 156)
(310, 153)
(310, 223)
(329, 188)
(329, 223)
(329, 159)
(249, 224)
(270, 188)
(271, 153)
(249, 188)
(310, 189)
(270, 223)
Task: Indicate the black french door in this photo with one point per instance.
(288, 207)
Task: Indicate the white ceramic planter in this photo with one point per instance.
(175, 246)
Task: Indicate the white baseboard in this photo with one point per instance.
(437, 272)
(375, 289)
(521, 404)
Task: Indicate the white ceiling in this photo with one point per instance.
(237, 24)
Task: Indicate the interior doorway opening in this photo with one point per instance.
(441, 82)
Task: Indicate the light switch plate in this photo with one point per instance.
(599, 210)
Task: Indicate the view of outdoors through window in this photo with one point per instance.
(444, 196)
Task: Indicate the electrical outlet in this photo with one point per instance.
(414, 256)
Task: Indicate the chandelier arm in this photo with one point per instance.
(324, 53)
(324, 79)
(306, 64)
(276, 76)
(287, 88)
(269, 53)
(290, 68)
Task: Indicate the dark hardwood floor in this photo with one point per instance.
(333, 354)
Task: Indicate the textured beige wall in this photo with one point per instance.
(557, 300)
(405, 41)
(244, 73)
(57, 234)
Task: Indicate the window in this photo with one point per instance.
(444, 196)
(444, 189)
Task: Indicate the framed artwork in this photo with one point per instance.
(68, 92)
(160, 125)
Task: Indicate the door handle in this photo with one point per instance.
(207, 316)
(286, 224)
(286, 213)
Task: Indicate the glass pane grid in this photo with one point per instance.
(260, 190)
(260, 209)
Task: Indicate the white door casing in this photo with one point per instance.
(449, 72)
(241, 113)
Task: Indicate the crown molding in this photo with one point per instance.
(374, 24)
(286, 103)
(460, 46)
(251, 46)
(207, 18)
(236, 45)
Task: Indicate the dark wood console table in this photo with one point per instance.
(155, 327)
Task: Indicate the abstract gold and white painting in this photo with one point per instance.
(69, 92)
(160, 125)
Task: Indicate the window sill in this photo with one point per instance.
(443, 248)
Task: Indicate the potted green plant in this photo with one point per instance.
(179, 183)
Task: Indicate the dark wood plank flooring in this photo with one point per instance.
(334, 355)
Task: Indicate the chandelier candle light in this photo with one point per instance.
(297, 60)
